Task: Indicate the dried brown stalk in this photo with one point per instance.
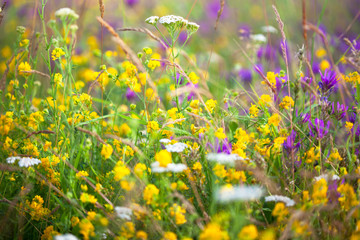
(146, 31)
(38, 132)
(222, 4)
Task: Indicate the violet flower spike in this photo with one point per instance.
(319, 130)
(328, 81)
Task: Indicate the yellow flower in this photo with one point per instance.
(324, 64)
(194, 78)
(169, 236)
(85, 197)
(74, 221)
(152, 126)
(335, 156)
(150, 192)
(150, 94)
(287, 102)
(163, 157)
(86, 229)
(271, 76)
(219, 170)
(265, 100)
(312, 155)
(213, 231)
(147, 50)
(24, 66)
(348, 197)
(253, 110)
(274, 120)
(81, 174)
(120, 171)
(211, 104)
(141, 235)
(106, 151)
(280, 211)
(248, 232)
(57, 53)
(349, 126)
(139, 169)
(319, 192)
(49, 232)
(220, 133)
(179, 213)
(320, 53)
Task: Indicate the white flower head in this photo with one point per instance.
(171, 167)
(229, 193)
(327, 177)
(67, 236)
(152, 20)
(192, 27)
(278, 198)
(66, 12)
(165, 140)
(23, 161)
(269, 29)
(172, 21)
(223, 158)
(258, 38)
(176, 147)
(124, 213)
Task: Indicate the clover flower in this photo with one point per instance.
(66, 12)
(24, 161)
(229, 193)
(123, 213)
(278, 198)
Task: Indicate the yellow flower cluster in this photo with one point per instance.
(179, 213)
(57, 53)
(150, 193)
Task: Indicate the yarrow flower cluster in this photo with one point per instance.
(176, 147)
(223, 158)
(23, 161)
(278, 198)
(124, 213)
(66, 12)
(67, 236)
(152, 20)
(229, 193)
(171, 167)
(173, 22)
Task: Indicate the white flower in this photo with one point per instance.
(238, 193)
(165, 140)
(171, 167)
(176, 147)
(258, 38)
(269, 29)
(277, 198)
(123, 213)
(172, 20)
(223, 158)
(192, 27)
(24, 161)
(327, 177)
(67, 236)
(66, 12)
(152, 20)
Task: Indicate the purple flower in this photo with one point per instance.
(244, 31)
(213, 8)
(339, 111)
(245, 75)
(130, 95)
(268, 53)
(225, 147)
(305, 81)
(289, 144)
(131, 3)
(328, 81)
(318, 129)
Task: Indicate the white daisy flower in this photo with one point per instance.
(123, 213)
(176, 147)
(66, 12)
(171, 167)
(258, 38)
(277, 198)
(67, 236)
(229, 193)
(24, 161)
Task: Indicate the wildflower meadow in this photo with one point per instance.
(179, 120)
